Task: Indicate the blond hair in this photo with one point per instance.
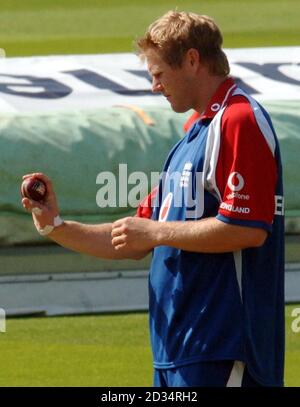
(175, 33)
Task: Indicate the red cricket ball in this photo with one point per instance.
(34, 188)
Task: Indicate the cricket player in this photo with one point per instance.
(216, 228)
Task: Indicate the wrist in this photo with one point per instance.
(160, 233)
(49, 229)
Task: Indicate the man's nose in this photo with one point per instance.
(156, 86)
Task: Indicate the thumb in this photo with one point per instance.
(32, 206)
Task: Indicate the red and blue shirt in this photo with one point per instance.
(220, 306)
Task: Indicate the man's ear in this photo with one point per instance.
(193, 57)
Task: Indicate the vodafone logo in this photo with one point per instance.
(165, 207)
(235, 182)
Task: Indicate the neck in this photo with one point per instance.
(206, 89)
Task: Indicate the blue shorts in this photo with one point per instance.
(226, 373)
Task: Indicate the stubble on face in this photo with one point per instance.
(173, 83)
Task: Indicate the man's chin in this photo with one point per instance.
(179, 109)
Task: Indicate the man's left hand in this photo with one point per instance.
(134, 233)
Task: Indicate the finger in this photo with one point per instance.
(120, 246)
(117, 224)
(37, 174)
(117, 231)
(32, 206)
(118, 240)
(121, 221)
(26, 206)
(27, 176)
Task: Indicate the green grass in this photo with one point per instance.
(35, 27)
(292, 357)
(76, 351)
(107, 350)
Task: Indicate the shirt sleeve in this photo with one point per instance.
(246, 172)
(145, 208)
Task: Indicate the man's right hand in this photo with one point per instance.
(94, 240)
(43, 214)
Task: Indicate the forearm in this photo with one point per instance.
(208, 236)
(94, 240)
